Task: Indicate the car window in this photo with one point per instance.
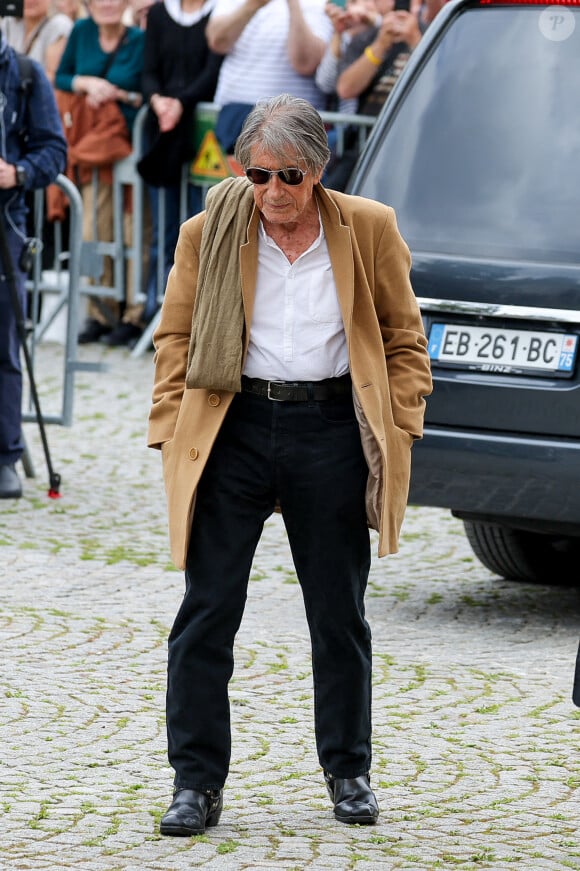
(483, 155)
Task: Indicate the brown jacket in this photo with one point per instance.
(96, 137)
(389, 363)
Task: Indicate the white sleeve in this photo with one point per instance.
(327, 72)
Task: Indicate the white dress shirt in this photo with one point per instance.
(297, 332)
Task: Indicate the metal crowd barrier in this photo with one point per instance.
(54, 292)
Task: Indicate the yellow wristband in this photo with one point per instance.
(370, 55)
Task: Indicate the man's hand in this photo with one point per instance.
(363, 13)
(340, 18)
(7, 175)
(402, 26)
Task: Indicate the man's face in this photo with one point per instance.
(281, 203)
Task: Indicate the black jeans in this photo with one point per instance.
(308, 456)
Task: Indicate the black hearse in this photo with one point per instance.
(478, 150)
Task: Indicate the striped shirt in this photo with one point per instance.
(257, 67)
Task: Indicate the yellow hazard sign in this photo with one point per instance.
(210, 162)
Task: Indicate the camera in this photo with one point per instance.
(11, 8)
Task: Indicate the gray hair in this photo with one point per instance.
(283, 124)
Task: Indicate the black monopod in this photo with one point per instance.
(6, 258)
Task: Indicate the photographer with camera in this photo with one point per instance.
(32, 153)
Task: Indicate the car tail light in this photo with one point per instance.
(529, 2)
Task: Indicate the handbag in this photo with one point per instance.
(96, 138)
(111, 56)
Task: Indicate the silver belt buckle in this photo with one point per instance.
(273, 398)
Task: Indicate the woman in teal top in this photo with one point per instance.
(103, 60)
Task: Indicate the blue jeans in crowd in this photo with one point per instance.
(11, 441)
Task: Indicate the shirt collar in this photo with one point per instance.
(187, 19)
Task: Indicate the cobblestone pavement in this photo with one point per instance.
(475, 737)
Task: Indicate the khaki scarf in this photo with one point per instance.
(216, 344)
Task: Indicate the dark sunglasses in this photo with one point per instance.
(290, 175)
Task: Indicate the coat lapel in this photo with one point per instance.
(339, 244)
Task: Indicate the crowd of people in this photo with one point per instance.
(105, 59)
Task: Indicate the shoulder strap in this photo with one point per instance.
(112, 55)
(35, 35)
(26, 72)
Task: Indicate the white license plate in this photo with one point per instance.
(493, 349)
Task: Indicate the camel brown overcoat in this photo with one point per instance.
(389, 363)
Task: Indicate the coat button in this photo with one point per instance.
(193, 453)
(214, 400)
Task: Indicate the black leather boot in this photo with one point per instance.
(191, 811)
(353, 799)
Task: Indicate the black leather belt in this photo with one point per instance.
(298, 391)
